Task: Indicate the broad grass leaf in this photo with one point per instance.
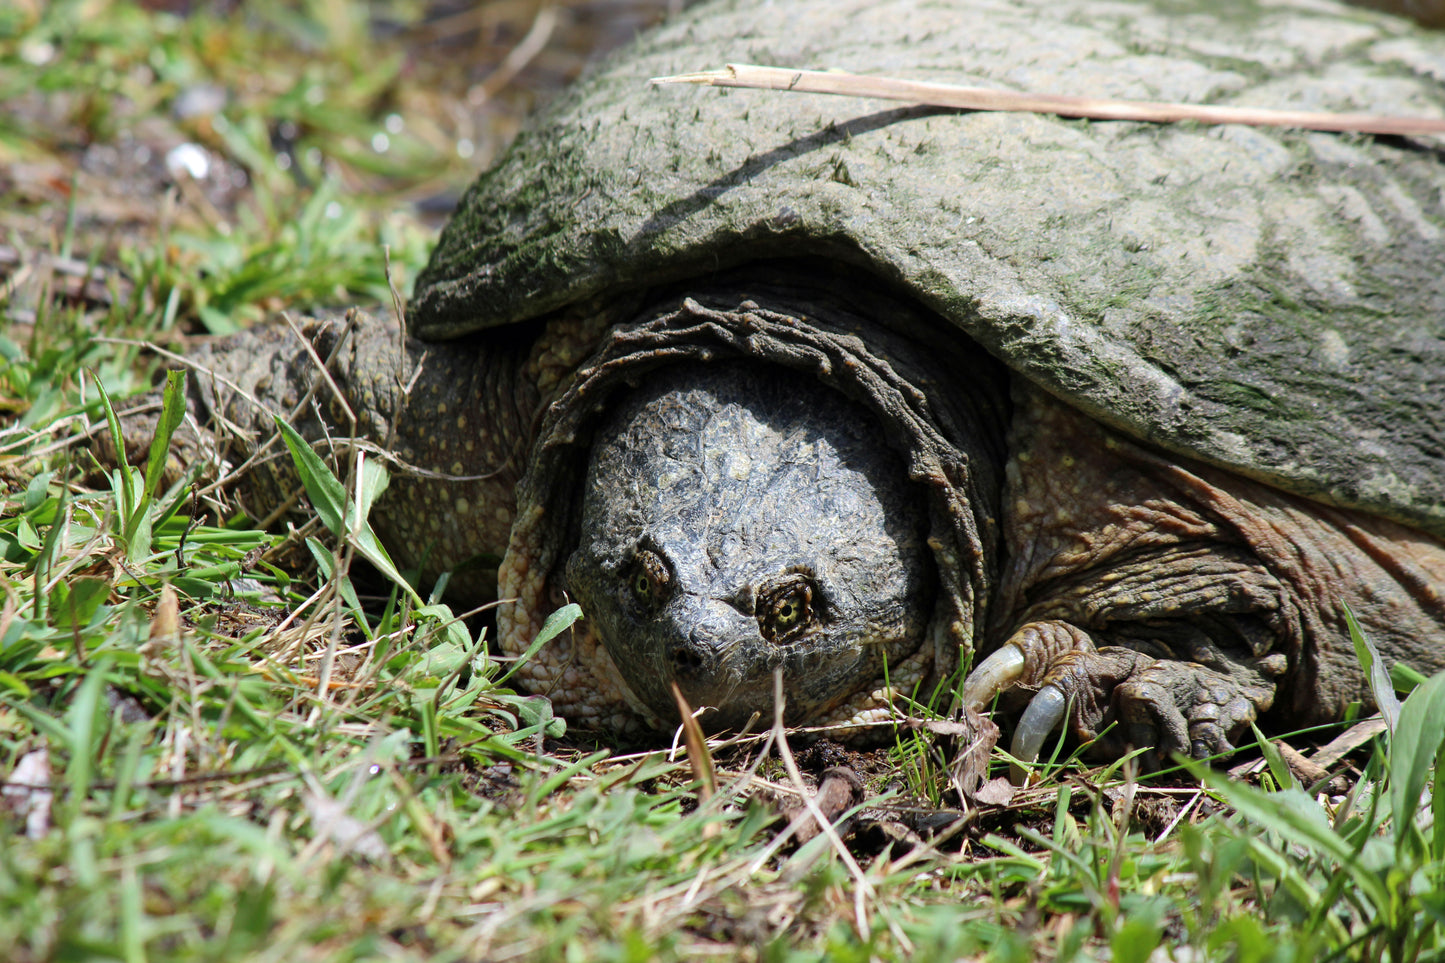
(1138, 935)
(527, 715)
(15, 684)
(73, 602)
(37, 491)
(1298, 818)
(537, 711)
(1413, 748)
(329, 498)
(452, 628)
(138, 535)
(556, 624)
(1277, 766)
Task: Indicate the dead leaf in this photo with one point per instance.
(995, 792)
(974, 748)
(166, 622)
(698, 757)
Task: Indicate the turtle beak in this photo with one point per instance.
(706, 653)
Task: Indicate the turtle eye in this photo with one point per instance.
(648, 580)
(785, 609)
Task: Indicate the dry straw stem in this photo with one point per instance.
(980, 98)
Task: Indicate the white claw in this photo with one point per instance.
(993, 675)
(1045, 712)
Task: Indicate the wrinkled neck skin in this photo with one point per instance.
(783, 479)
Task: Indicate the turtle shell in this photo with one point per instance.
(1272, 301)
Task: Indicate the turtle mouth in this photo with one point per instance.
(714, 697)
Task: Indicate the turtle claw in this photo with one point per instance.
(1044, 714)
(1120, 698)
(1008, 666)
(993, 675)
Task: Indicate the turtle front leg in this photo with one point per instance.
(1118, 697)
(1164, 605)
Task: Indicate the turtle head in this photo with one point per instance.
(739, 518)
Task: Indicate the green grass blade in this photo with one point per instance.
(1406, 678)
(126, 493)
(138, 534)
(81, 721)
(1413, 750)
(1437, 809)
(321, 555)
(1376, 672)
(173, 411)
(329, 498)
(45, 556)
(132, 915)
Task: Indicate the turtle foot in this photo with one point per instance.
(1122, 699)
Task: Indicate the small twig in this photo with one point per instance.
(1348, 741)
(1094, 108)
(323, 368)
(517, 58)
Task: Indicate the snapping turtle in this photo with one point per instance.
(859, 392)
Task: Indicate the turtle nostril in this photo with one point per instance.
(685, 661)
